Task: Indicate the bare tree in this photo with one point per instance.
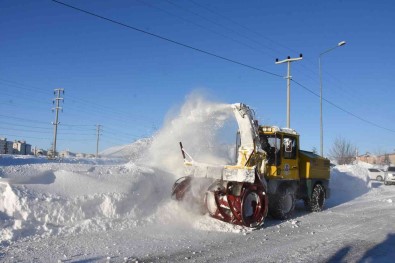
(342, 151)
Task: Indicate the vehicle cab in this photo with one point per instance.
(282, 149)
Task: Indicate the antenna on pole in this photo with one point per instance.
(289, 77)
(57, 101)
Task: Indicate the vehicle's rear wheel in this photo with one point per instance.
(282, 204)
(379, 178)
(317, 200)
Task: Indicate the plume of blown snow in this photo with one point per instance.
(197, 126)
(133, 151)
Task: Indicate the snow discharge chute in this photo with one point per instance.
(231, 193)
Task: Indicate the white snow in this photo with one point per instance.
(118, 208)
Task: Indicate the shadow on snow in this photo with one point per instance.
(383, 252)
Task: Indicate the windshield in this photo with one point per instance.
(271, 144)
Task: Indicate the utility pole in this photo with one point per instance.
(98, 130)
(56, 101)
(288, 77)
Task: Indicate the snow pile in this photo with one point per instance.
(79, 198)
(348, 182)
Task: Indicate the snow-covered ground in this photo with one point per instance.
(118, 209)
(95, 212)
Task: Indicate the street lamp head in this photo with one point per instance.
(342, 43)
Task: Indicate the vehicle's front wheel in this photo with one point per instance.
(385, 182)
(317, 200)
(282, 204)
(379, 178)
(253, 208)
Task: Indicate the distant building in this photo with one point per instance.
(65, 154)
(6, 147)
(39, 152)
(80, 155)
(377, 159)
(10, 148)
(3, 145)
(21, 147)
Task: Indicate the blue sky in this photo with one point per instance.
(127, 81)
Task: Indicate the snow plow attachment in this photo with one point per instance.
(232, 193)
(237, 203)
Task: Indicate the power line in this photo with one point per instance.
(65, 126)
(219, 57)
(99, 107)
(24, 130)
(242, 26)
(13, 135)
(111, 138)
(112, 130)
(46, 132)
(342, 109)
(22, 119)
(101, 110)
(220, 25)
(21, 86)
(45, 128)
(78, 125)
(26, 126)
(168, 39)
(198, 25)
(261, 35)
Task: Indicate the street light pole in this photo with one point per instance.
(342, 43)
(288, 77)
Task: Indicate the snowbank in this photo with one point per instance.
(79, 198)
(348, 182)
(66, 199)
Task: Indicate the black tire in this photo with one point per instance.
(379, 178)
(282, 204)
(385, 182)
(317, 200)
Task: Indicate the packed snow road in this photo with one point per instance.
(106, 211)
(359, 231)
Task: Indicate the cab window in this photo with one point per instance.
(289, 147)
(271, 144)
